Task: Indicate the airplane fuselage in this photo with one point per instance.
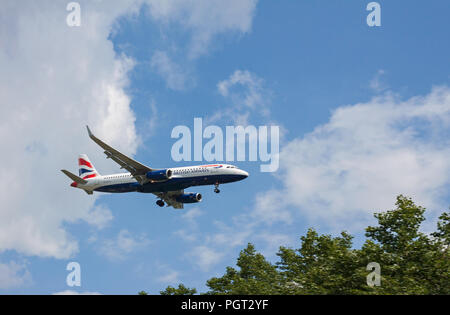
(182, 178)
(167, 185)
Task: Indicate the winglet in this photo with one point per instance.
(89, 132)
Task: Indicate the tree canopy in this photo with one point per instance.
(181, 290)
(411, 262)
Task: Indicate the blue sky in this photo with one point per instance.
(365, 115)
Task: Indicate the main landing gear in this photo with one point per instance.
(216, 188)
(160, 203)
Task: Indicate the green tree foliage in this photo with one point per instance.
(322, 265)
(181, 290)
(443, 232)
(411, 262)
(255, 276)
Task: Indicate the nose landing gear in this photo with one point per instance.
(216, 188)
(160, 203)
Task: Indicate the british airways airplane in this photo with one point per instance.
(167, 184)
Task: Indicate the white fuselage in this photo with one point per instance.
(182, 177)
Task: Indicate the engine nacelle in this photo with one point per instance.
(189, 198)
(159, 175)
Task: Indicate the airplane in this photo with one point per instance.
(167, 184)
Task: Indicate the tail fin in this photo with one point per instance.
(85, 168)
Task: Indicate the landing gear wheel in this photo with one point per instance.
(160, 203)
(216, 188)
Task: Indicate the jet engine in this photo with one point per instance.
(189, 198)
(159, 175)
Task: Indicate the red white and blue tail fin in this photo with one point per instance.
(85, 168)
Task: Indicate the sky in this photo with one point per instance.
(363, 112)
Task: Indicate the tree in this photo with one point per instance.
(411, 262)
(181, 290)
(255, 276)
(322, 265)
(443, 233)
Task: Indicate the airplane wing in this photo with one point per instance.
(136, 169)
(170, 198)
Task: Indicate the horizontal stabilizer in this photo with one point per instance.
(74, 177)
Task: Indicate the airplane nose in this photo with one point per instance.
(244, 173)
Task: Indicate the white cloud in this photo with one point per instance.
(99, 216)
(186, 235)
(365, 156)
(192, 214)
(123, 245)
(200, 21)
(176, 78)
(153, 122)
(247, 94)
(190, 232)
(205, 257)
(213, 248)
(343, 171)
(273, 241)
(171, 277)
(210, 249)
(238, 234)
(13, 275)
(252, 83)
(205, 18)
(376, 84)
(54, 80)
(264, 210)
